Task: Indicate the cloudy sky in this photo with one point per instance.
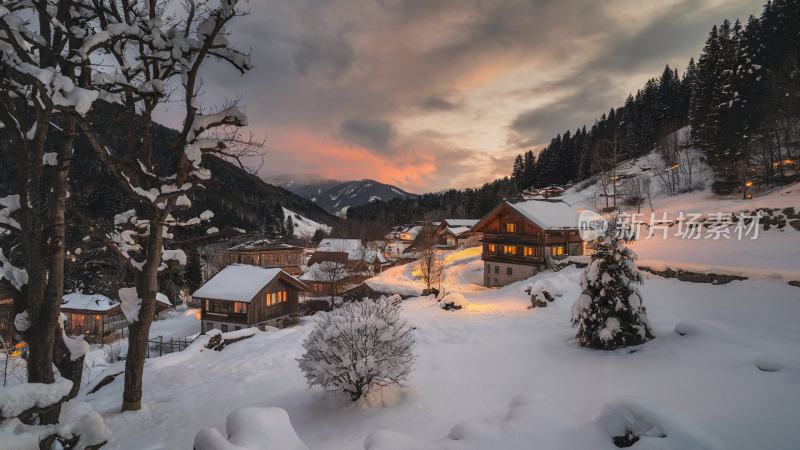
(428, 95)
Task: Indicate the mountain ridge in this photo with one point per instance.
(336, 196)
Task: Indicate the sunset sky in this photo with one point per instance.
(429, 95)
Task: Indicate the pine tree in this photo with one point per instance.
(518, 173)
(289, 227)
(609, 314)
(529, 169)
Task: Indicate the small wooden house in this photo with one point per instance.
(357, 257)
(266, 253)
(243, 296)
(452, 233)
(523, 238)
(97, 317)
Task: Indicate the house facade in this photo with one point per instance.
(523, 238)
(99, 318)
(266, 253)
(243, 296)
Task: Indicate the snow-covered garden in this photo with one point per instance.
(721, 372)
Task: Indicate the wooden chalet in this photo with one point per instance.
(97, 317)
(244, 296)
(266, 253)
(351, 252)
(523, 238)
(452, 233)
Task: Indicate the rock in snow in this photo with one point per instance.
(656, 427)
(252, 428)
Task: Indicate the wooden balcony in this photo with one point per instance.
(514, 259)
(222, 317)
(514, 239)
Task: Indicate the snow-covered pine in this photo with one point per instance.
(358, 347)
(609, 313)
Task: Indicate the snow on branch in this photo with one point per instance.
(130, 302)
(8, 205)
(16, 276)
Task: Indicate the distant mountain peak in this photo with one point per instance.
(336, 196)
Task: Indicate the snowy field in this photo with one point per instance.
(498, 375)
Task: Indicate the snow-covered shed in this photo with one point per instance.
(266, 253)
(97, 317)
(243, 296)
(451, 233)
(350, 252)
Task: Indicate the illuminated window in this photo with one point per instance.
(510, 249)
(511, 228)
(283, 296)
(528, 251)
(240, 308)
(557, 250)
(492, 247)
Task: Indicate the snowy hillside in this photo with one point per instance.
(498, 375)
(775, 253)
(303, 226)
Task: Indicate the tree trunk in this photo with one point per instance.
(146, 287)
(69, 369)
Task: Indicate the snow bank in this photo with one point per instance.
(77, 419)
(17, 399)
(656, 427)
(252, 428)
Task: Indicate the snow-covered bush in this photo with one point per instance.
(609, 314)
(357, 347)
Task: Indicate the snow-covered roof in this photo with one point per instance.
(263, 245)
(461, 222)
(163, 299)
(458, 231)
(99, 302)
(550, 215)
(371, 255)
(353, 247)
(90, 302)
(237, 282)
(314, 273)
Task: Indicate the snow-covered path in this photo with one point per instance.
(472, 363)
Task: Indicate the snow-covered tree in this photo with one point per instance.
(358, 347)
(143, 54)
(43, 90)
(609, 313)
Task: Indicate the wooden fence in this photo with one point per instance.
(160, 346)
